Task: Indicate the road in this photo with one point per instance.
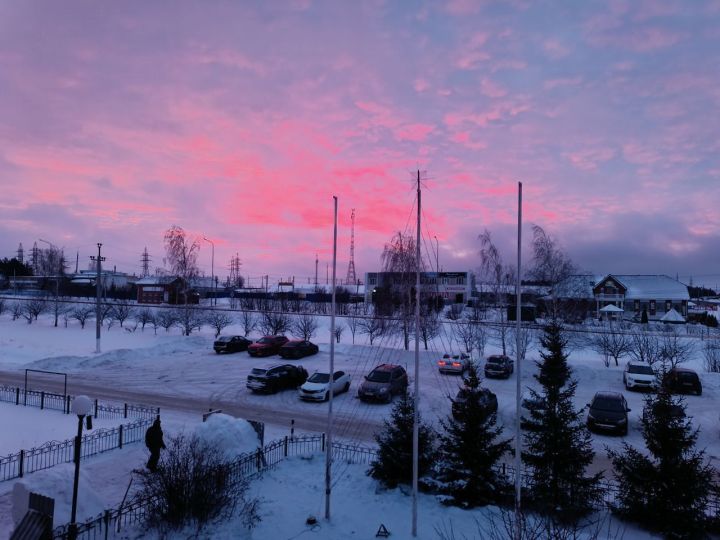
(311, 421)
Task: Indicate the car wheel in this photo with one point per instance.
(327, 396)
(699, 392)
(346, 387)
(624, 432)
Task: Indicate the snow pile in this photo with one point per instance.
(57, 483)
(232, 436)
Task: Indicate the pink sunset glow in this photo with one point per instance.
(239, 121)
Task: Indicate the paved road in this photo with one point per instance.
(309, 420)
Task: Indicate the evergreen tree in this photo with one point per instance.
(394, 463)
(666, 491)
(558, 445)
(469, 449)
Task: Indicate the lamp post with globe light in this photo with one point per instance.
(82, 405)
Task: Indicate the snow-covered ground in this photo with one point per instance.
(187, 370)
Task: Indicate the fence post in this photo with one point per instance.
(292, 429)
(286, 445)
(323, 442)
(120, 436)
(125, 416)
(42, 399)
(21, 463)
(106, 519)
(17, 395)
(96, 408)
(67, 404)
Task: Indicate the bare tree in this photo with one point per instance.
(675, 349)
(144, 316)
(527, 338)
(16, 310)
(33, 308)
(465, 332)
(611, 343)
(429, 326)
(501, 333)
(374, 327)
(498, 275)
(181, 255)
(248, 321)
(550, 266)
(339, 329)
(165, 318)
(189, 318)
(82, 314)
(218, 320)
(711, 354)
(121, 312)
(645, 347)
(274, 323)
(58, 310)
(353, 323)
(305, 326)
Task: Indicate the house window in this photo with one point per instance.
(636, 305)
(668, 305)
(652, 307)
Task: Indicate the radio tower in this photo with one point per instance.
(20, 254)
(351, 279)
(145, 260)
(235, 279)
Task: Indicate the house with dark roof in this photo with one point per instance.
(159, 290)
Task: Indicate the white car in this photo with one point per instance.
(639, 375)
(316, 388)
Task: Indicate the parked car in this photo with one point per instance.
(317, 386)
(229, 344)
(455, 364)
(499, 365)
(383, 382)
(639, 375)
(275, 378)
(676, 411)
(608, 412)
(298, 348)
(267, 345)
(683, 380)
(488, 401)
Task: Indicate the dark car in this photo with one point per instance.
(676, 411)
(275, 378)
(228, 344)
(383, 382)
(298, 349)
(682, 380)
(488, 401)
(267, 345)
(499, 365)
(608, 412)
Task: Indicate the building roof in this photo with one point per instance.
(156, 280)
(659, 287)
(673, 316)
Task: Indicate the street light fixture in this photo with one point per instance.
(212, 270)
(82, 406)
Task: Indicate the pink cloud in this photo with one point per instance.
(414, 132)
(556, 83)
(589, 159)
(492, 89)
(472, 53)
(555, 49)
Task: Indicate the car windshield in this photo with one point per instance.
(224, 338)
(379, 376)
(258, 371)
(319, 378)
(640, 369)
(607, 404)
(687, 377)
(265, 340)
(495, 360)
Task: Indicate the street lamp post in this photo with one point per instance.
(212, 270)
(437, 265)
(82, 405)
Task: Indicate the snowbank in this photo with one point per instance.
(232, 436)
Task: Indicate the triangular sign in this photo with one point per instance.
(382, 531)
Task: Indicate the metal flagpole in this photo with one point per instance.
(518, 362)
(331, 382)
(416, 397)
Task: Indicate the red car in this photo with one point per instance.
(267, 345)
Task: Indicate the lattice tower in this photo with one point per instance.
(145, 260)
(351, 279)
(20, 254)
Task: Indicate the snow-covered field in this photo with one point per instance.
(180, 370)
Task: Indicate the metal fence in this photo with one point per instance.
(248, 466)
(63, 402)
(55, 452)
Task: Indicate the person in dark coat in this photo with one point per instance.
(154, 442)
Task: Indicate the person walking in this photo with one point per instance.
(154, 442)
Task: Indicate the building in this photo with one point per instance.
(159, 290)
(627, 296)
(109, 279)
(453, 287)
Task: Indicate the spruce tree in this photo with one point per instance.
(558, 444)
(469, 448)
(666, 491)
(394, 463)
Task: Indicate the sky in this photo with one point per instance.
(239, 121)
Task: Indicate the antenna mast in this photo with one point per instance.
(351, 278)
(21, 254)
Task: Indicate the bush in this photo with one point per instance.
(193, 487)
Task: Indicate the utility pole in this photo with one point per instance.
(145, 260)
(437, 268)
(518, 365)
(316, 272)
(416, 414)
(331, 382)
(98, 309)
